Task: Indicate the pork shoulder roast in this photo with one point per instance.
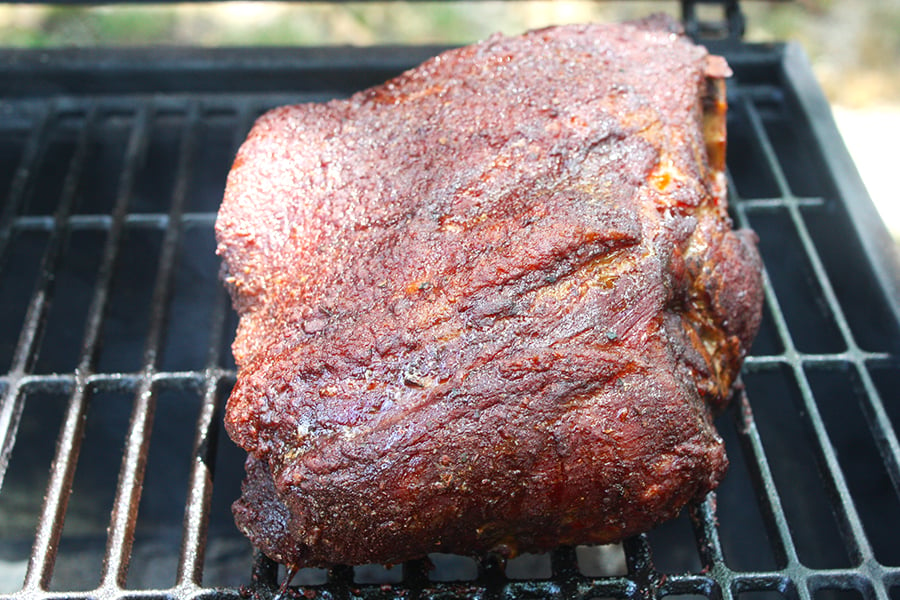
(491, 305)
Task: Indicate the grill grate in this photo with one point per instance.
(114, 333)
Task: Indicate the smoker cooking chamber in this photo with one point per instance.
(114, 334)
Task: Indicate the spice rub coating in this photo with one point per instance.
(489, 305)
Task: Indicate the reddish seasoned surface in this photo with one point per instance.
(488, 305)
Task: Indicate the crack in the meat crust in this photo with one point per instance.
(482, 316)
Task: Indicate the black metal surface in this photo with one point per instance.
(114, 335)
(730, 24)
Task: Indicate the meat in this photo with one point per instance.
(490, 305)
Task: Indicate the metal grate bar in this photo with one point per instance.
(27, 169)
(564, 566)
(880, 423)
(794, 577)
(848, 519)
(838, 358)
(710, 547)
(43, 555)
(196, 514)
(771, 203)
(773, 511)
(117, 382)
(104, 222)
(128, 490)
(11, 400)
(30, 336)
(640, 567)
(875, 412)
(190, 564)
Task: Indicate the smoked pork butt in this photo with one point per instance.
(490, 305)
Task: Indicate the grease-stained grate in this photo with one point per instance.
(114, 332)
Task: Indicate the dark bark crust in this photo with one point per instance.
(489, 305)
